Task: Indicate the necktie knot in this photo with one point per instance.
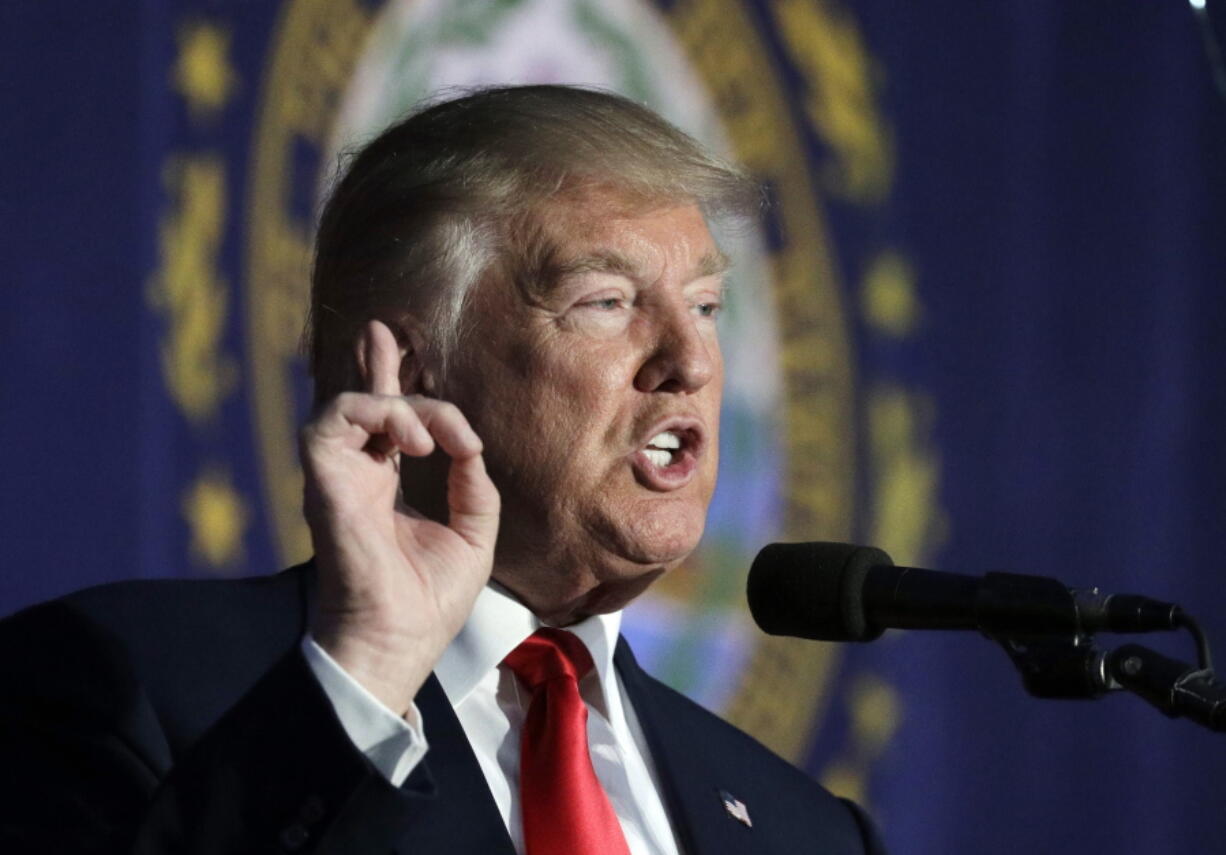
(548, 654)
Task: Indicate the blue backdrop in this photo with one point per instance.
(1035, 264)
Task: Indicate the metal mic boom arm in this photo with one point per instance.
(1071, 667)
(1176, 688)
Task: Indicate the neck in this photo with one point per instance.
(563, 603)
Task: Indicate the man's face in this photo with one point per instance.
(596, 392)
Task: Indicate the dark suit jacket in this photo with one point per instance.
(179, 716)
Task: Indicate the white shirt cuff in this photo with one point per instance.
(393, 744)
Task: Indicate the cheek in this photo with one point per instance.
(540, 419)
(581, 404)
(548, 399)
(583, 374)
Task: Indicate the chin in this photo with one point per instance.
(617, 555)
(654, 536)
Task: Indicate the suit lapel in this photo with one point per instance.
(461, 816)
(691, 784)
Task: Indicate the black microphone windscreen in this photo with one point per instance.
(813, 590)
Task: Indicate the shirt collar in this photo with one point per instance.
(496, 626)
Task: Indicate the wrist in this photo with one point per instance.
(392, 673)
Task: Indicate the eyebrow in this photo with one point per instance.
(713, 263)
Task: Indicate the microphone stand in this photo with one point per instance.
(1174, 687)
(1071, 667)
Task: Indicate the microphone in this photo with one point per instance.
(842, 592)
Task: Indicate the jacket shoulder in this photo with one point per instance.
(184, 648)
(183, 611)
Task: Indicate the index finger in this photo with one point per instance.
(382, 359)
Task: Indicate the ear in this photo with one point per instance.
(417, 376)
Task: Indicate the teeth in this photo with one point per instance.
(667, 439)
(658, 457)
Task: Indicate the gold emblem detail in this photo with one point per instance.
(202, 73)
(824, 42)
(889, 303)
(217, 517)
(188, 290)
(875, 712)
(906, 520)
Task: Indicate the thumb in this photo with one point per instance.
(473, 502)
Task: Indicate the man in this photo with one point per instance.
(518, 376)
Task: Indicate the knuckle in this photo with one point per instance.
(312, 433)
(336, 408)
(402, 408)
(420, 404)
(449, 411)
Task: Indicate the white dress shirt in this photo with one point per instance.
(491, 706)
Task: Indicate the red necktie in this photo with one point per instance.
(565, 810)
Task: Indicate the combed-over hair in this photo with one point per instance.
(433, 202)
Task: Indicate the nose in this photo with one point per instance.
(684, 354)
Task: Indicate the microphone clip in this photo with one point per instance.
(1065, 667)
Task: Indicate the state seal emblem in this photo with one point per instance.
(340, 70)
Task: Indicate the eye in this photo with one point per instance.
(606, 303)
(707, 299)
(601, 314)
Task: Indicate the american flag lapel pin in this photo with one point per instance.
(736, 808)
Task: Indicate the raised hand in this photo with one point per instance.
(394, 587)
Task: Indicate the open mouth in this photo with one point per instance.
(663, 447)
(669, 459)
